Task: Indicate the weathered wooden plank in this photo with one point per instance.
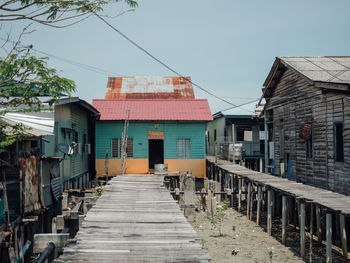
(136, 220)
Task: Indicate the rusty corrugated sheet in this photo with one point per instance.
(149, 88)
(29, 175)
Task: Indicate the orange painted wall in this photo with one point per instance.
(140, 166)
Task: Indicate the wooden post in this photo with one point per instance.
(318, 224)
(249, 199)
(273, 201)
(302, 229)
(284, 218)
(251, 203)
(261, 166)
(6, 204)
(258, 206)
(343, 236)
(232, 189)
(106, 164)
(311, 230)
(328, 237)
(269, 218)
(239, 193)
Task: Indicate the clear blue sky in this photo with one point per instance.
(226, 46)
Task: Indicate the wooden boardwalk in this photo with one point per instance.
(328, 199)
(136, 220)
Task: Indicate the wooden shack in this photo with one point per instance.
(307, 114)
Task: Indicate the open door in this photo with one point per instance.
(155, 153)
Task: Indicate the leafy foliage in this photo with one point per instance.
(56, 13)
(24, 79)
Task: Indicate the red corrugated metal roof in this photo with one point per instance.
(149, 87)
(154, 110)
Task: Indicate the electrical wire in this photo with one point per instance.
(69, 61)
(161, 62)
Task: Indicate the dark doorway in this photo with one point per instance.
(155, 153)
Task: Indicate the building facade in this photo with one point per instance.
(166, 125)
(168, 132)
(307, 115)
(239, 125)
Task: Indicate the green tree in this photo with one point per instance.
(55, 13)
(24, 77)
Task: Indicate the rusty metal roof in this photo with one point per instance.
(154, 110)
(149, 87)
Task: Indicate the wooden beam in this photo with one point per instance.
(343, 235)
(269, 217)
(302, 229)
(311, 229)
(284, 218)
(249, 199)
(239, 193)
(258, 206)
(318, 224)
(328, 237)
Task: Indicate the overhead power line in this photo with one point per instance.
(161, 62)
(69, 61)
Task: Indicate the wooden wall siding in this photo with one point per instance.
(79, 119)
(65, 116)
(295, 101)
(106, 130)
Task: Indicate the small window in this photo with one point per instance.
(76, 136)
(208, 137)
(309, 147)
(240, 132)
(338, 142)
(183, 148)
(130, 148)
(115, 143)
(215, 135)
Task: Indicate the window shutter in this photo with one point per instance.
(115, 147)
(130, 147)
(180, 148)
(187, 147)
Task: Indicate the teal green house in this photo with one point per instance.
(160, 131)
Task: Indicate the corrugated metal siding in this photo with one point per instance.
(105, 131)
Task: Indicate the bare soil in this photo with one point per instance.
(246, 243)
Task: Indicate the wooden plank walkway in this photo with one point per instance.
(328, 199)
(136, 220)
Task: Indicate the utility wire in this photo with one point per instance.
(161, 62)
(69, 61)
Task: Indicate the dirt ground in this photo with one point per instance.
(246, 243)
